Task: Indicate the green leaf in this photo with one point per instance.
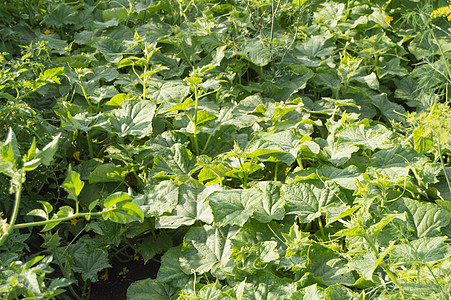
(347, 177)
(233, 207)
(425, 250)
(155, 245)
(190, 208)
(108, 173)
(422, 143)
(121, 208)
(212, 292)
(150, 289)
(47, 153)
(111, 49)
(310, 198)
(269, 206)
(72, 184)
(371, 137)
(176, 160)
(208, 249)
(159, 199)
(395, 162)
(264, 285)
(89, 263)
(423, 218)
(256, 52)
(133, 118)
(167, 90)
(9, 153)
(170, 271)
(285, 144)
(390, 110)
(326, 266)
(61, 15)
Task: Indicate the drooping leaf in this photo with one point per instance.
(108, 173)
(256, 52)
(155, 245)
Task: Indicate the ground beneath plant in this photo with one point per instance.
(114, 286)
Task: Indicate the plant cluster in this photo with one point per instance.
(256, 149)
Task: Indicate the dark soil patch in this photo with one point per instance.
(120, 276)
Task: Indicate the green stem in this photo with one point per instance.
(441, 51)
(321, 229)
(89, 140)
(206, 144)
(443, 166)
(15, 210)
(196, 107)
(41, 223)
(243, 173)
(275, 171)
(383, 265)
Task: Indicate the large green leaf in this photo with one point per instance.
(170, 271)
(150, 289)
(233, 207)
(61, 15)
(174, 91)
(159, 199)
(208, 249)
(256, 52)
(89, 263)
(310, 198)
(326, 266)
(284, 142)
(264, 286)
(133, 118)
(190, 208)
(177, 160)
(423, 218)
(396, 162)
(425, 250)
(269, 205)
(111, 49)
(347, 177)
(122, 208)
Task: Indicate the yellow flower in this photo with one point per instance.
(388, 19)
(444, 11)
(136, 257)
(104, 277)
(76, 155)
(74, 222)
(47, 32)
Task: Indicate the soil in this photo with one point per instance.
(120, 276)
